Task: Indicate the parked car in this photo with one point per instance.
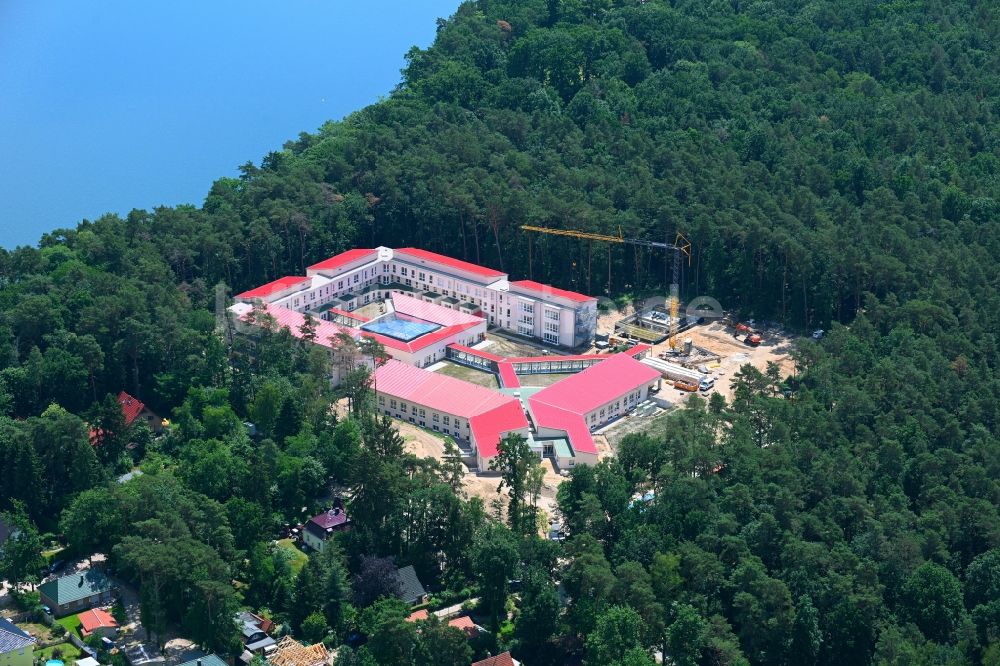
(818, 334)
(56, 566)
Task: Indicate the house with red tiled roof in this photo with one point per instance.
(97, 621)
(134, 410)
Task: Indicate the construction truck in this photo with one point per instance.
(750, 336)
(685, 386)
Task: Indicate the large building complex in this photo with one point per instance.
(424, 308)
(335, 287)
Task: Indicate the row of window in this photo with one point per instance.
(418, 411)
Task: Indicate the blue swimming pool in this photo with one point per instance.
(400, 329)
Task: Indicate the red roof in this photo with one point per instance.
(598, 385)
(436, 391)
(503, 659)
(490, 427)
(270, 288)
(437, 314)
(507, 375)
(329, 519)
(457, 264)
(416, 616)
(131, 407)
(465, 624)
(292, 320)
(342, 259)
(549, 416)
(95, 619)
(539, 288)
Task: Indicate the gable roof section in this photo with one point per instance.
(13, 637)
(292, 320)
(96, 618)
(597, 385)
(418, 255)
(331, 518)
(554, 418)
(502, 659)
(437, 314)
(343, 259)
(273, 287)
(490, 427)
(437, 391)
(131, 407)
(76, 586)
(410, 587)
(548, 290)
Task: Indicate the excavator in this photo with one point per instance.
(750, 336)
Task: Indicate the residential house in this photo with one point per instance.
(321, 528)
(411, 590)
(16, 645)
(463, 623)
(254, 632)
(289, 652)
(97, 621)
(77, 592)
(134, 410)
(502, 659)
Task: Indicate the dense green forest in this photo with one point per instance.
(830, 162)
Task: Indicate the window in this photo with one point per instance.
(458, 424)
(423, 414)
(356, 277)
(552, 315)
(381, 400)
(436, 418)
(340, 285)
(413, 410)
(402, 270)
(447, 420)
(392, 403)
(422, 277)
(402, 406)
(552, 339)
(552, 328)
(528, 307)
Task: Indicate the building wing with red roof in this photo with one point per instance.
(343, 260)
(418, 256)
(539, 289)
(274, 290)
(598, 385)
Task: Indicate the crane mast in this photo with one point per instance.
(680, 246)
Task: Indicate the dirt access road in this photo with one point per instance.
(424, 444)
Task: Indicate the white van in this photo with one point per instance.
(706, 384)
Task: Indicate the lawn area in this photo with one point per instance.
(40, 631)
(542, 380)
(299, 558)
(68, 652)
(470, 375)
(71, 622)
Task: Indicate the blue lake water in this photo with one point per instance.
(118, 104)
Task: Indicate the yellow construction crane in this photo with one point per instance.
(681, 245)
